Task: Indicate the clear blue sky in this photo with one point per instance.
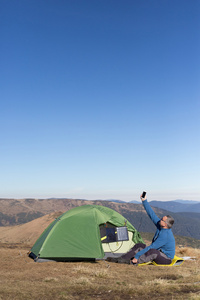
(100, 99)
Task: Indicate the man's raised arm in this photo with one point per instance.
(149, 210)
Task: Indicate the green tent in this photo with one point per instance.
(85, 233)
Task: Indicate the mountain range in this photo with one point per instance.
(173, 205)
(15, 212)
(176, 206)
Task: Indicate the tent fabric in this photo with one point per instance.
(75, 235)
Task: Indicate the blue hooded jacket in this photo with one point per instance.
(163, 239)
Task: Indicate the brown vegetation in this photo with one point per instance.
(17, 208)
(28, 232)
(22, 278)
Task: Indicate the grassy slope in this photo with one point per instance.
(23, 279)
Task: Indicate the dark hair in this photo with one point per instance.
(169, 221)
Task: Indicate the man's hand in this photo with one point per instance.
(134, 260)
(143, 198)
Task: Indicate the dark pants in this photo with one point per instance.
(152, 254)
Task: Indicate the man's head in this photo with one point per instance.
(167, 222)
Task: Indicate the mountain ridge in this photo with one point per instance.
(175, 206)
(28, 233)
(16, 212)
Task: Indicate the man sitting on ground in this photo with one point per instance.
(162, 248)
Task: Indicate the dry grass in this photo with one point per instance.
(28, 232)
(21, 278)
(187, 251)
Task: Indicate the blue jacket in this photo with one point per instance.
(163, 239)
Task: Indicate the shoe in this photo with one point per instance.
(124, 261)
(118, 260)
(134, 264)
(112, 259)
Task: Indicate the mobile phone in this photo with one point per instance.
(143, 194)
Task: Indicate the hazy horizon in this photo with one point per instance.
(98, 199)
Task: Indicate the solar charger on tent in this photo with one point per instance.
(122, 234)
(114, 234)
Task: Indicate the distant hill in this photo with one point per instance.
(29, 232)
(176, 206)
(187, 201)
(135, 201)
(16, 212)
(26, 233)
(190, 215)
(186, 224)
(113, 200)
